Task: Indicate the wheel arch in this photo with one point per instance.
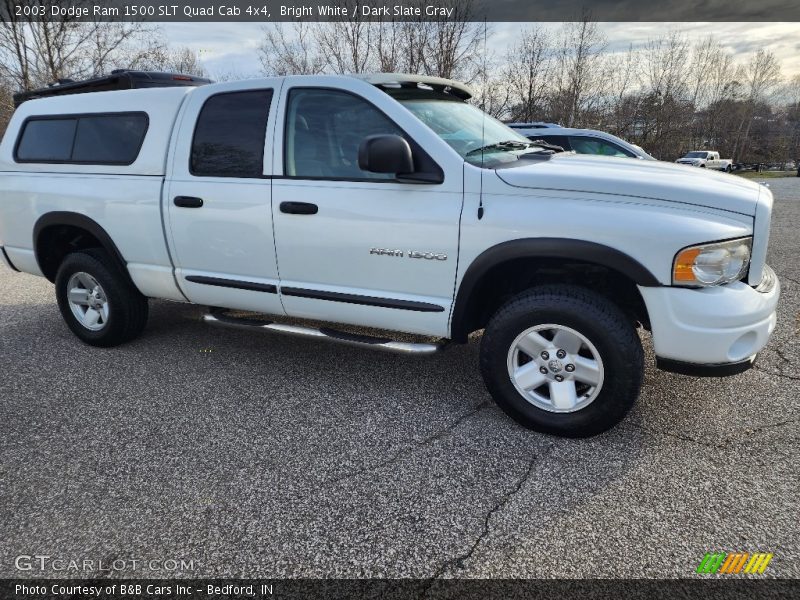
(541, 254)
(56, 234)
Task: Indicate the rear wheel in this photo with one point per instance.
(562, 360)
(98, 303)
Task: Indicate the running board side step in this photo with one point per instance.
(364, 341)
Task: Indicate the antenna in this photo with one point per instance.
(483, 121)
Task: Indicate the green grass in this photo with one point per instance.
(766, 174)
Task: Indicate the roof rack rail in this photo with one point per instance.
(118, 79)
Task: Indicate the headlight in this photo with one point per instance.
(712, 264)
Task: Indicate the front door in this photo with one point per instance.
(219, 200)
(354, 246)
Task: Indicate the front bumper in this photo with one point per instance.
(717, 329)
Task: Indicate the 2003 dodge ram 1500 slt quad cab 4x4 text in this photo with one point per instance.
(389, 202)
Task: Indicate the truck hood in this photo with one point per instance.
(636, 179)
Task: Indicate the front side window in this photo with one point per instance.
(592, 145)
(111, 139)
(229, 135)
(324, 129)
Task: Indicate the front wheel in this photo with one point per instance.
(561, 359)
(98, 303)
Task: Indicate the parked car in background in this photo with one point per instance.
(706, 159)
(582, 141)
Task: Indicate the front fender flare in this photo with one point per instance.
(556, 248)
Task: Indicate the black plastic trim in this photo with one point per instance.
(8, 260)
(76, 220)
(704, 370)
(78, 117)
(366, 300)
(558, 248)
(251, 286)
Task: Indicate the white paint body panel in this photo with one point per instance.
(230, 237)
(714, 325)
(645, 209)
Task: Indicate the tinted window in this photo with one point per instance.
(47, 140)
(592, 145)
(83, 139)
(110, 139)
(229, 136)
(324, 129)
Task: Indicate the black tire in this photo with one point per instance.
(594, 317)
(127, 307)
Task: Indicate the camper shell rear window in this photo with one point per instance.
(84, 139)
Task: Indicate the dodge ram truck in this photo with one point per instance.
(706, 159)
(390, 203)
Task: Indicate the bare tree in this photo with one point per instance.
(623, 103)
(34, 53)
(159, 56)
(527, 74)
(346, 45)
(452, 45)
(579, 84)
(760, 76)
(291, 53)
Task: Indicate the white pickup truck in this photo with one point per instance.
(389, 203)
(706, 159)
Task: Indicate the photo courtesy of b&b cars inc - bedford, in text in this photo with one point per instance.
(425, 299)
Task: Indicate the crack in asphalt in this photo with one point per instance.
(772, 425)
(727, 444)
(678, 436)
(409, 449)
(461, 560)
(779, 352)
(776, 373)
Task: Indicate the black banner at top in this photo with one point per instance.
(400, 10)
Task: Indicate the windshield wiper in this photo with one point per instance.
(506, 145)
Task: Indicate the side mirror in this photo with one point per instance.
(385, 154)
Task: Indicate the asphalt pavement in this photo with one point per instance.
(271, 456)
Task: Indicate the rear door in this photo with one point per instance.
(217, 203)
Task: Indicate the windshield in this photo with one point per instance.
(480, 139)
(697, 155)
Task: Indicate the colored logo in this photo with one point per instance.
(731, 563)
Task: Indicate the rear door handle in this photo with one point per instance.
(188, 202)
(299, 208)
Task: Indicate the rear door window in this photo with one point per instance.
(230, 134)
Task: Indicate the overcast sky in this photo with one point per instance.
(231, 48)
